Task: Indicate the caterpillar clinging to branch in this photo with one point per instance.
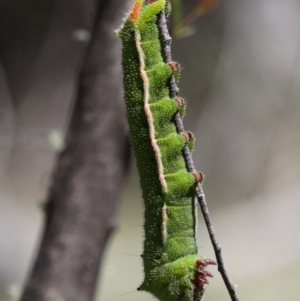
(173, 269)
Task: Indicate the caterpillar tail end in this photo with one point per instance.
(189, 278)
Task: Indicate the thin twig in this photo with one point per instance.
(166, 44)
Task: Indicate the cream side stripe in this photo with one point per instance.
(149, 113)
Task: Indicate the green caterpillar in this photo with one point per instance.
(173, 269)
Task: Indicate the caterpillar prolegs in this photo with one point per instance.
(173, 269)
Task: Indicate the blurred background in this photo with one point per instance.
(241, 78)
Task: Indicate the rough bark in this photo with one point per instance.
(88, 178)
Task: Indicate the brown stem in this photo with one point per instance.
(89, 174)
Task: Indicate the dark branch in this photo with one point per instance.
(166, 44)
(89, 174)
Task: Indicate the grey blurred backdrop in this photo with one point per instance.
(241, 78)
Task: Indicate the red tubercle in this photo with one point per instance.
(174, 66)
(200, 278)
(136, 11)
(188, 136)
(208, 274)
(205, 263)
(198, 176)
(150, 1)
(180, 101)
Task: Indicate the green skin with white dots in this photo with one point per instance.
(170, 250)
